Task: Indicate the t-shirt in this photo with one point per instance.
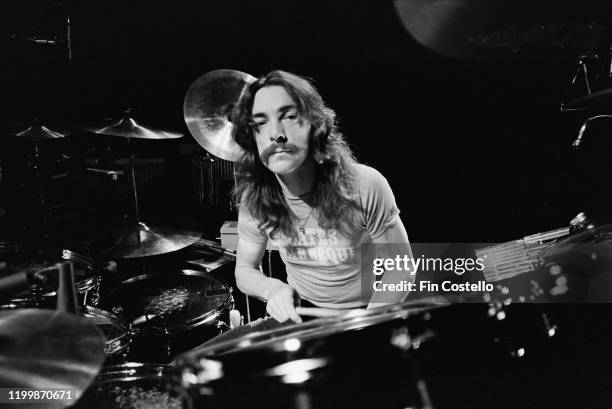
(324, 266)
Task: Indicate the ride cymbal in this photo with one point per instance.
(208, 104)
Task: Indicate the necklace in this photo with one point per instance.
(301, 227)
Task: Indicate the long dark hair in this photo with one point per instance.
(335, 194)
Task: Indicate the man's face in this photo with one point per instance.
(282, 137)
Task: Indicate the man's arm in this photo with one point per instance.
(395, 234)
(251, 281)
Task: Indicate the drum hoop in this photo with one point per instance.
(316, 328)
(65, 254)
(194, 322)
(133, 371)
(123, 340)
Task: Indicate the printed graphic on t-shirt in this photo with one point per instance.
(316, 244)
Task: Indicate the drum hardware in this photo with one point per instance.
(66, 293)
(208, 104)
(513, 258)
(213, 179)
(43, 349)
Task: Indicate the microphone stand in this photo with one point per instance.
(66, 293)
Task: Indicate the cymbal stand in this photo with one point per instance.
(133, 177)
(580, 69)
(40, 193)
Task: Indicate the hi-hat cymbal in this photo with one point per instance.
(45, 349)
(37, 131)
(127, 127)
(141, 240)
(208, 102)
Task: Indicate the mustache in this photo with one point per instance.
(280, 146)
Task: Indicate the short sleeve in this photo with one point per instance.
(248, 229)
(377, 200)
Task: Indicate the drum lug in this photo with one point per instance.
(401, 339)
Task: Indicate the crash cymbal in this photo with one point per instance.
(208, 103)
(37, 132)
(127, 127)
(45, 349)
(141, 240)
(599, 98)
(469, 29)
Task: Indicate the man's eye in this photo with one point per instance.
(290, 116)
(257, 125)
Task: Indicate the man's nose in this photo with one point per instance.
(277, 133)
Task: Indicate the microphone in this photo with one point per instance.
(578, 141)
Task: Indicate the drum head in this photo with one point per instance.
(168, 303)
(135, 385)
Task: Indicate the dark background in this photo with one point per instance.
(476, 150)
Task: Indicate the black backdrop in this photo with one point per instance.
(474, 150)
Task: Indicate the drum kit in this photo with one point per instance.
(396, 356)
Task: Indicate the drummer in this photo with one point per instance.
(301, 188)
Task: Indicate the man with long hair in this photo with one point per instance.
(300, 186)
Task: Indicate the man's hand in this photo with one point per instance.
(281, 305)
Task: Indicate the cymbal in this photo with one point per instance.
(141, 240)
(127, 127)
(45, 349)
(37, 131)
(208, 103)
(470, 29)
(603, 97)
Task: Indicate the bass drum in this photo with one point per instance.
(15, 258)
(426, 354)
(135, 385)
(169, 312)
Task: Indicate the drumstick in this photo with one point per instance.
(320, 312)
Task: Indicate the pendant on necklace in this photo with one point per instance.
(302, 229)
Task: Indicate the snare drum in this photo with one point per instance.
(17, 258)
(135, 385)
(117, 332)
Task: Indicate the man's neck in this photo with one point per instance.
(300, 182)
